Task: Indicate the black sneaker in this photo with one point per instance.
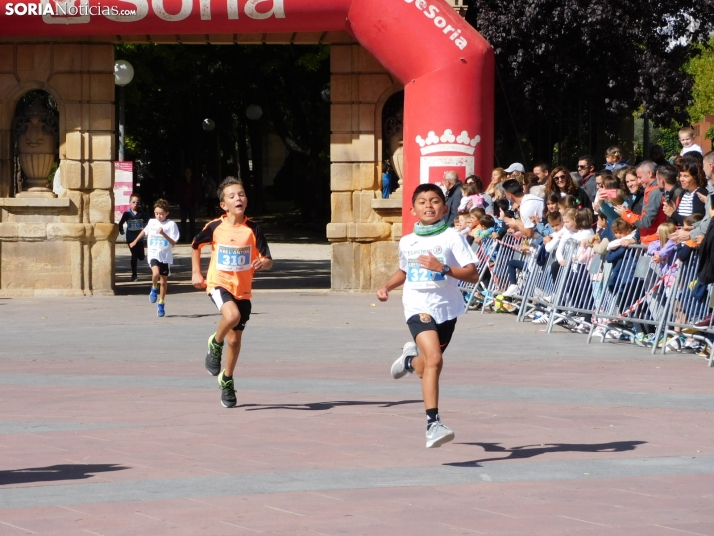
(213, 357)
(228, 393)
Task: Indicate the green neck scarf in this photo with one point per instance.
(430, 230)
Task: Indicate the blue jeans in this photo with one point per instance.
(513, 267)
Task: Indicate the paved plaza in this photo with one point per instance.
(110, 425)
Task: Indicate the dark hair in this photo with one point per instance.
(610, 183)
(622, 227)
(569, 201)
(668, 172)
(487, 221)
(501, 205)
(477, 181)
(584, 218)
(133, 195)
(477, 213)
(513, 187)
(587, 158)
(554, 216)
(542, 165)
(470, 188)
(695, 170)
(551, 186)
(693, 218)
(162, 204)
(428, 187)
(228, 181)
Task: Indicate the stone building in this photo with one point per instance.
(64, 245)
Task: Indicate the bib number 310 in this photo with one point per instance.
(233, 259)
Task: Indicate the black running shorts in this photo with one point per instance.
(219, 296)
(163, 267)
(424, 322)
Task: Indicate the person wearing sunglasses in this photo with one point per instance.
(586, 169)
(562, 183)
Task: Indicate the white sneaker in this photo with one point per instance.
(540, 319)
(613, 334)
(512, 290)
(399, 368)
(438, 434)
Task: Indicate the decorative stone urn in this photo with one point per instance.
(36, 134)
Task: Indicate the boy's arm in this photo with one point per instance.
(141, 235)
(121, 223)
(197, 279)
(398, 279)
(467, 274)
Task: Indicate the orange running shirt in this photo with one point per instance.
(233, 250)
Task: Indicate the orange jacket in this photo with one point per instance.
(651, 217)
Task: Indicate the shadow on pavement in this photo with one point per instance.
(54, 473)
(321, 406)
(530, 451)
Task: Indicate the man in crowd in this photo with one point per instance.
(542, 171)
(586, 169)
(700, 228)
(453, 195)
(516, 171)
(527, 205)
(652, 213)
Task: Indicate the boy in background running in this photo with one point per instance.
(134, 219)
(238, 249)
(162, 234)
(431, 262)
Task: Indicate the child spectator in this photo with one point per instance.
(484, 229)
(663, 250)
(470, 194)
(686, 138)
(162, 234)
(459, 222)
(135, 220)
(238, 249)
(613, 157)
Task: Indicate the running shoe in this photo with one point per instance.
(675, 344)
(613, 334)
(160, 310)
(213, 357)
(692, 346)
(228, 392)
(153, 295)
(438, 434)
(704, 323)
(399, 368)
(512, 290)
(641, 339)
(540, 318)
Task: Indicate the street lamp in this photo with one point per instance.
(254, 112)
(123, 74)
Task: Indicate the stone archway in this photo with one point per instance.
(372, 50)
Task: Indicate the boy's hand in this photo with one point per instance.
(547, 239)
(383, 294)
(162, 233)
(562, 263)
(494, 235)
(627, 242)
(258, 264)
(132, 244)
(430, 262)
(197, 280)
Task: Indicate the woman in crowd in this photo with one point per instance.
(497, 177)
(633, 191)
(561, 182)
(693, 180)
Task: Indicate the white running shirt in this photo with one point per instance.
(159, 247)
(430, 292)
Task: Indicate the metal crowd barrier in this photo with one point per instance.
(573, 298)
(690, 312)
(483, 251)
(539, 286)
(633, 296)
(508, 248)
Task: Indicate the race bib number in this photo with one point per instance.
(418, 277)
(134, 225)
(158, 243)
(233, 258)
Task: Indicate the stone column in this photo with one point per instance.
(363, 249)
(61, 246)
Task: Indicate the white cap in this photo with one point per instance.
(515, 167)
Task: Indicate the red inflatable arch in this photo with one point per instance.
(445, 65)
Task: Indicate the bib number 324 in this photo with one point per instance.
(233, 259)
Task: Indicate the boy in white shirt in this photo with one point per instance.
(432, 260)
(162, 234)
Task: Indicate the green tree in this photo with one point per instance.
(701, 69)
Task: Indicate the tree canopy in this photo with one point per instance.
(563, 64)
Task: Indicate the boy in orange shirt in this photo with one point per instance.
(238, 249)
